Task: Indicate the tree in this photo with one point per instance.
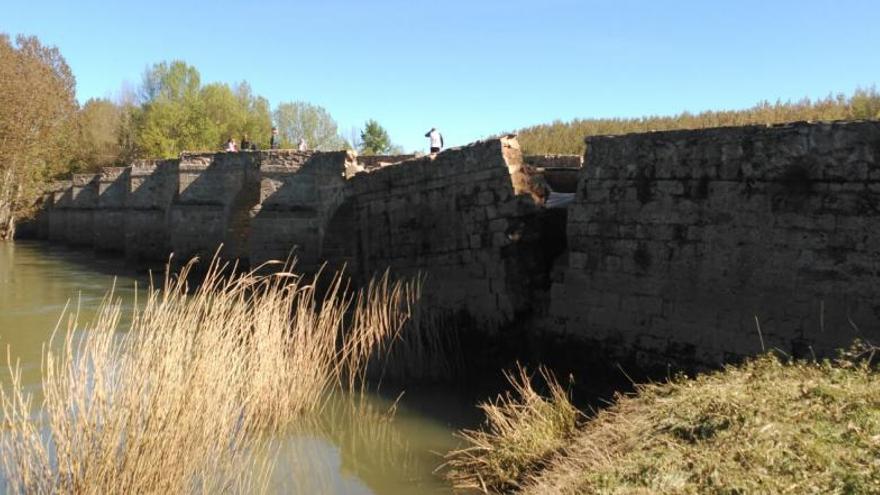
(568, 137)
(375, 139)
(126, 132)
(170, 118)
(175, 81)
(98, 123)
(178, 114)
(301, 120)
(257, 124)
(37, 116)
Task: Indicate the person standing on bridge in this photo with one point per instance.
(436, 140)
(275, 140)
(302, 146)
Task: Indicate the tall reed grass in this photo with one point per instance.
(523, 429)
(179, 399)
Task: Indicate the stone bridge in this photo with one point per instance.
(674, 246)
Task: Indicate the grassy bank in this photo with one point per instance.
(767, 426)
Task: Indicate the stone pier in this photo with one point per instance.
(299, 191)
(111, 209)
(215, 195)
(151, 187)
(81, 210)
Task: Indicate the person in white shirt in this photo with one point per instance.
(436, 140)
(302, 144)
(230, 145)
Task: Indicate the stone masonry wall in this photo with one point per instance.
(81, 210)
(60, 192)
(215, 195)
(676, 247)
(109, 230)
(152, 186)
(372, 162)
(682, 243)
(298, 193)
(455, 218)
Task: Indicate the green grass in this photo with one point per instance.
(767, 426)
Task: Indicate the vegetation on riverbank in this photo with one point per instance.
(769, 425)
(523, 429)
(568, 137)
(180, 399)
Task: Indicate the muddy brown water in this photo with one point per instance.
(372, 456)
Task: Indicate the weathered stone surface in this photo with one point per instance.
(298, 193)
(152, 186)
(455, 218)
(81, 209)
(215, 195)
(111, 209)
(674, 243)
(60, 192)
(372, 162)
(682, 242)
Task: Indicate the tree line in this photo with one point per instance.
(568, 137)
(45, 134)
(173, 111)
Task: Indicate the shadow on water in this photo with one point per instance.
(391, 445)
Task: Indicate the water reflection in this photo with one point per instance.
(366, 446)
(37, 281)
(377, 445)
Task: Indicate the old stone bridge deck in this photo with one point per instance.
(673, 245)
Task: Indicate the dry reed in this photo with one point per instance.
(180, 399)
(521, 432)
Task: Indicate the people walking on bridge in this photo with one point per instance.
(436, 140)
(275, 140)
(302, 146)
(230, 145)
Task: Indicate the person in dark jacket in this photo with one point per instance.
(275, 141)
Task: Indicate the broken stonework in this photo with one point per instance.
(373, 162)
(455, 218)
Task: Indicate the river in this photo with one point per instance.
(362, 456)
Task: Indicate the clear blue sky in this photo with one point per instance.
(474, 68)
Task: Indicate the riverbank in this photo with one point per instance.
(769, 425)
